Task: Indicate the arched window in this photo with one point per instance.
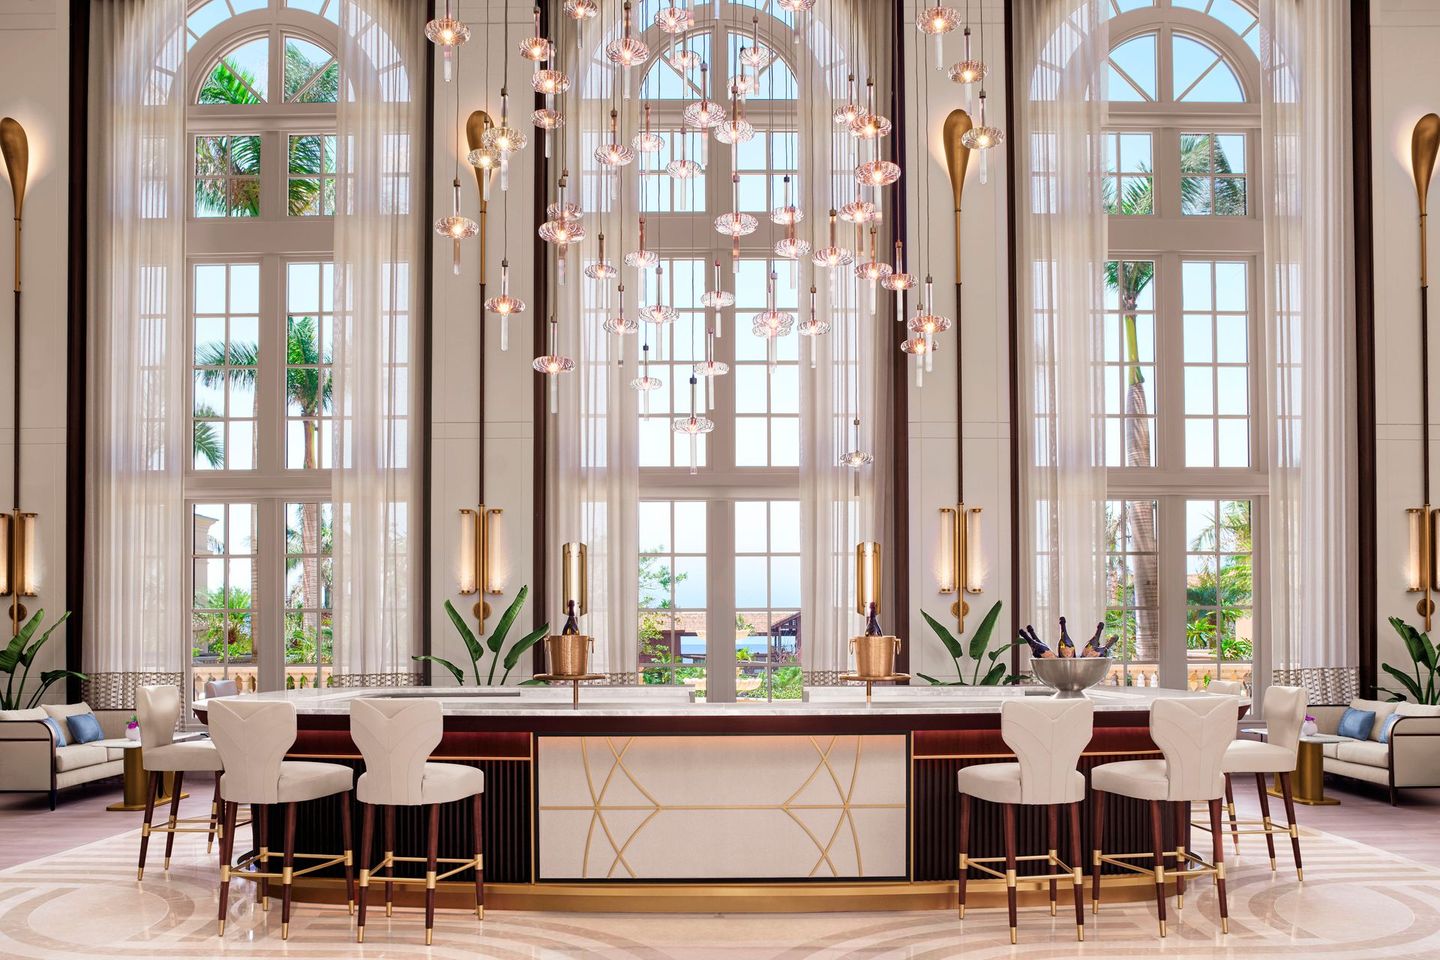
(1184, 407)
(262, 84)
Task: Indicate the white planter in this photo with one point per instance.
(132, 733)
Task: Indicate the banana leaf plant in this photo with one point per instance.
(977, 650)
(21, 652)
(493, 645)
(1422, 687)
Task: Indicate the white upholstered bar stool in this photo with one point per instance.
(1047, 737)
(396, 738)
(1277, 754)
(1193, 734)
(157, 708)
(253, 737)
(1227, 688)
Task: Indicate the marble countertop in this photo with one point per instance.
(612, 701)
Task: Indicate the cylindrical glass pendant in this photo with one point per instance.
(455, 258)
(504, 333)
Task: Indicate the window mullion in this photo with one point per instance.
(1172, 591)
(720, 609)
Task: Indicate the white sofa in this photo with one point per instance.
(31, 763)
(1410, 759)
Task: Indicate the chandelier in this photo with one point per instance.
(562, 229)
(674, 20)
(447, 33)
(814, 328)
(642, 259)
(984, 138)
(456, 226)
(682, 167)
(553, 364)
(658, 313)
(603, 269)
(872, 271)
(613, 154)
(717, 299)
(627, 52)
(536, 48)
(899, 281)
(648, 141)
(869, 125)
(704, 113)
(849, 111)
(505, 305)
(935, 22)
(833, 255)
(620, 325)
(504, 139)
(645, 384)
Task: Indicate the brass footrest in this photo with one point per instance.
(245, 868)
(1202, 868)
(389, 861)
(1253, 828)
(978, 863)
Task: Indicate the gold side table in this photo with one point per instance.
(135, 784)
(1309, 780)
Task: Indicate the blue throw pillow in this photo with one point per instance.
(84, 728)
(56, 731)
(1355, 724)
(1389, 725)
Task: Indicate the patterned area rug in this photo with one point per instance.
(1357, 902)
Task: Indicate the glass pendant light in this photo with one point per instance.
(919, 348)
(457, 227)
(553, 364)
(847, 112)
(869, 125)
(693, 426)
(877, 173)
(642, 259)
(563, 229)
(787, 214)
(627, 52)
(536, 48)
(969, 71)
(711, 369)
(547, 119)
(488, 160)
(683, 60)
(770, 323)
(855, 459)
(704, 113)
(927, 324)
(796, 7)
(580, 11)
(752, 54)
(447, 33)
(735, 224)
(833, 255)
(860, 212)
(645, 384)
(602, 269)
(658, 313)
(550, 83)
(814, 328)
(647, 141)
(504, 139)
(613, 154)
(674, 19)
(936, 21)
(899, 281)
(717, 299)
(505, 305)
(682, 167)
(984, 138)
(873, 271)
(737, 129)
(620, 325)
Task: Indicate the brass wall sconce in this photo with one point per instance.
(1421, 573)
(962, 569)
(17, 528)
(17, 563)
(481, 568)
(574, 579)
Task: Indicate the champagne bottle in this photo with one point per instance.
(572, 626)
(1092, 646)
(1037, 647)
(872, 623)
(1067, 646)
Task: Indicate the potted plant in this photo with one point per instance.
(979, 652)
(494, 645)
(132, 728)
(21, 652)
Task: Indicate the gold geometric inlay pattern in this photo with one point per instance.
(599, 782)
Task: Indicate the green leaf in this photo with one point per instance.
(980, 639)
(28, 657)
(955, 648)
(532, 682)
(48, 678)
(995, 674)
(10, 656)
(995, 654)
(940, 683)
(497, 639)
(468, 635)
(524, 643)
(459, 674)
(1407, 682)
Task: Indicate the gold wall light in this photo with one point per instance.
(18, 574)
(481, 564)
(574, 579)
(1422, 573)
(1424, 147)
(962, 564)
(867, 577)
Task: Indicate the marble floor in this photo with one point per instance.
(1357, 902)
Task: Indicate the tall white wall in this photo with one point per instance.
(34, 89)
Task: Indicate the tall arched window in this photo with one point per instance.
(1183, 401)
(262, 87)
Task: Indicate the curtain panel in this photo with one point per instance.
(1059, 51)
(381, 228)
(1306, 133)
(137, 406)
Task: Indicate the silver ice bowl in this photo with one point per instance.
(1070, 677)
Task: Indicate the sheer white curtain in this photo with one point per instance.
(1060, 46)
(381, 224)
(1306, 135)
(594, 481)
(136, 405)
(850, 378)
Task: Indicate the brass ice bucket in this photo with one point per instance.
(875, 656)
(569, 654)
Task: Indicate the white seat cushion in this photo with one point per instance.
(447, 782)
(185, 755)
(1368, 752)
(1000, 783)
(1252, 756)
(302, 780)
(78, 755)
(1141, 779)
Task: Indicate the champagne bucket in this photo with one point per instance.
(1070, 677)
(875, 656)
(569, 654)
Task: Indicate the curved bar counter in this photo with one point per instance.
(638, 799)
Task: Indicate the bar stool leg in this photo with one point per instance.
(1219, 854)
(390, 862)
(174, 816)
(1182, 820)
(478, 802)
(260, 816)
(367, 846)
(1098, 842)
(1265, 815)
(964, 850)
(1230, 809)
(214, 817)
(1287, 792)
(1052, 837)
(286, 870)
(347, 836)
(151, 791)
(1078, 870)
(227, 854)
(1157, 835)
(1010, 869)
(432, 852)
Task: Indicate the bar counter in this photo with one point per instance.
(639, 799)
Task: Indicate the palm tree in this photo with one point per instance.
(206, 441)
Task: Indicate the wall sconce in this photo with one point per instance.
(18, 577)
(574, 579)
(1421, 573)
(962, 567)
(867, 578)
(480, 564)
